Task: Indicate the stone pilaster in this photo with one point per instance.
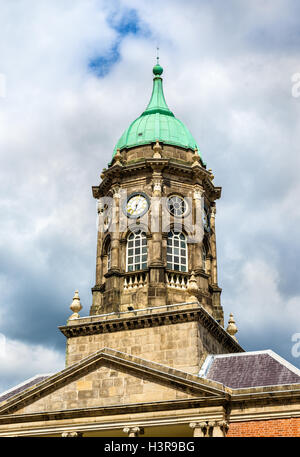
(157, 295)
(115, 234)
(214, 273)
(198, 195)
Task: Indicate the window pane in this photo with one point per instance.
(135, 259)
(177, 251)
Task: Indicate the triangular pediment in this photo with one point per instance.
(109, 377)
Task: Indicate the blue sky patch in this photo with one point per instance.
(126, 23)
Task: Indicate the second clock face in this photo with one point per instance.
(137, 205)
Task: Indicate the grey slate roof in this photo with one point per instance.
(23, 386)
(250, 369)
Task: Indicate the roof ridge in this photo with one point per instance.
(27, 381)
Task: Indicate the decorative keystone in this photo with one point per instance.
(75, 306)
(232, 328)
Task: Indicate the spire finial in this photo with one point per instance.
(157, 69)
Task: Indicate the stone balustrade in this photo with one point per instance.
(177, 280)
(135, 280)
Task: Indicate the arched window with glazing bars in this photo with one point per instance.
(136, 251)
(177, 251)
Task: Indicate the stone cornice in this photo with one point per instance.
(149, 317)
(113, 410)
(169, 165)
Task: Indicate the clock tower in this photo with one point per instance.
(156, 204)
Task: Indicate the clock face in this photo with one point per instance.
(137, 205)
(177, 205)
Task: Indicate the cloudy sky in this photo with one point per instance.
(73, 75)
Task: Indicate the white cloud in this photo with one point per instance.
(20, 361)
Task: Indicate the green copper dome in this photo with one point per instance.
(157, 122)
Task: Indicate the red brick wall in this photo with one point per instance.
(261, 428)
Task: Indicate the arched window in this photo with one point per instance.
(136, 255)
(177, 254)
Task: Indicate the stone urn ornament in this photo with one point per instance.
(193, 287)
(75, 306)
